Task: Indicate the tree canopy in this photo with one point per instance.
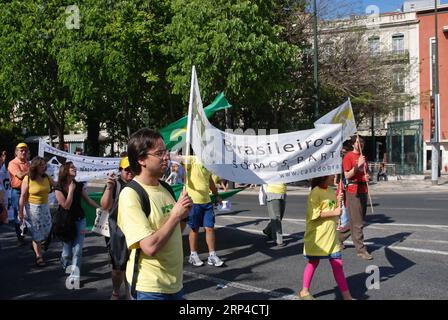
(120, 65)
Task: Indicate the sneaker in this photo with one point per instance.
(365, 255)
(215, 261)
(194, 260)
(281, 244)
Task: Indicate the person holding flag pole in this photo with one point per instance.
(198, 182)
(355, 169)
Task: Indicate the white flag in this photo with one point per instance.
(344, 115)
(262, 159)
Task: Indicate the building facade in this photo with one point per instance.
(426, 19)
(407, 38)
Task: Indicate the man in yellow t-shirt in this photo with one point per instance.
(159, 236)
(276, 203)
(199, 183)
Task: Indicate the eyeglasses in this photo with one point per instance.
(159, 154)
(128, 170)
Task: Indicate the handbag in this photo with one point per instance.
(101, 224)
(64, 226)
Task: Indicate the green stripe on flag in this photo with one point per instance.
(172, 133)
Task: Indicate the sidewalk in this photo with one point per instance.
(397, 186)
(391, 186)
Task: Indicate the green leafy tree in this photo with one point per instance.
(237, 47)
(113, 66)
(28, 68)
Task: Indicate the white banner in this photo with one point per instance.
(263, 159)
(88, 168)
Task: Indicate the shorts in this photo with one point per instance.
(202, 215)
(115, 266)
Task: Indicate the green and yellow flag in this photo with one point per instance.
(343, 115)
(174, 133)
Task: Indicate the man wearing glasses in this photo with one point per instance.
(110, 195)
(159, 235)
(18, 168)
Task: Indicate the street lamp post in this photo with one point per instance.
(316, 63)
(435, 141)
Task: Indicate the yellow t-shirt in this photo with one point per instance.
(278, 188)
(38, 191)
(321, 236)
(163, 272)
(198, 181)
(215, 179)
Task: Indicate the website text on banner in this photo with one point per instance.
(264, 159)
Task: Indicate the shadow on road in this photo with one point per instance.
(358, 283)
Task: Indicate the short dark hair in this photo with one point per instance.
(139, 144)
(351, 142)
(317, 181)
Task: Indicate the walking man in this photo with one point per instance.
(199, 184)
(18, 168)
(355, 170)
(110, 195)
(159, 235)
(276, 202)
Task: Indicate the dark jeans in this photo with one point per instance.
(15, 197)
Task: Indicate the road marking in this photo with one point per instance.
(444, 253)
(410, 209)
(437, 226)
(241, 286)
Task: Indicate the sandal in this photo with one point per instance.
(40, 262)
(115, 296)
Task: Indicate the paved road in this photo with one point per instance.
(407, 233)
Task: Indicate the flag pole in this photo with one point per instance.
(365, 175)
(189, 125)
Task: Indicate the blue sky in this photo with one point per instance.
(388, 5)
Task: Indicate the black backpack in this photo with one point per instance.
(118, 247)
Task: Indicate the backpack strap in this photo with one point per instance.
(117, 189)
(146, 206)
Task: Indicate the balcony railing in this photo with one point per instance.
(395, 56)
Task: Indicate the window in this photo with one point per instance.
(398, 43)
(399, 114)
(328, 49)
(398, 81)
(374, 45)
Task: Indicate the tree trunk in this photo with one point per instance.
(93, 133)
(60, 133)
(128, 118)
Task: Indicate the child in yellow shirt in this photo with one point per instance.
(321, 240)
